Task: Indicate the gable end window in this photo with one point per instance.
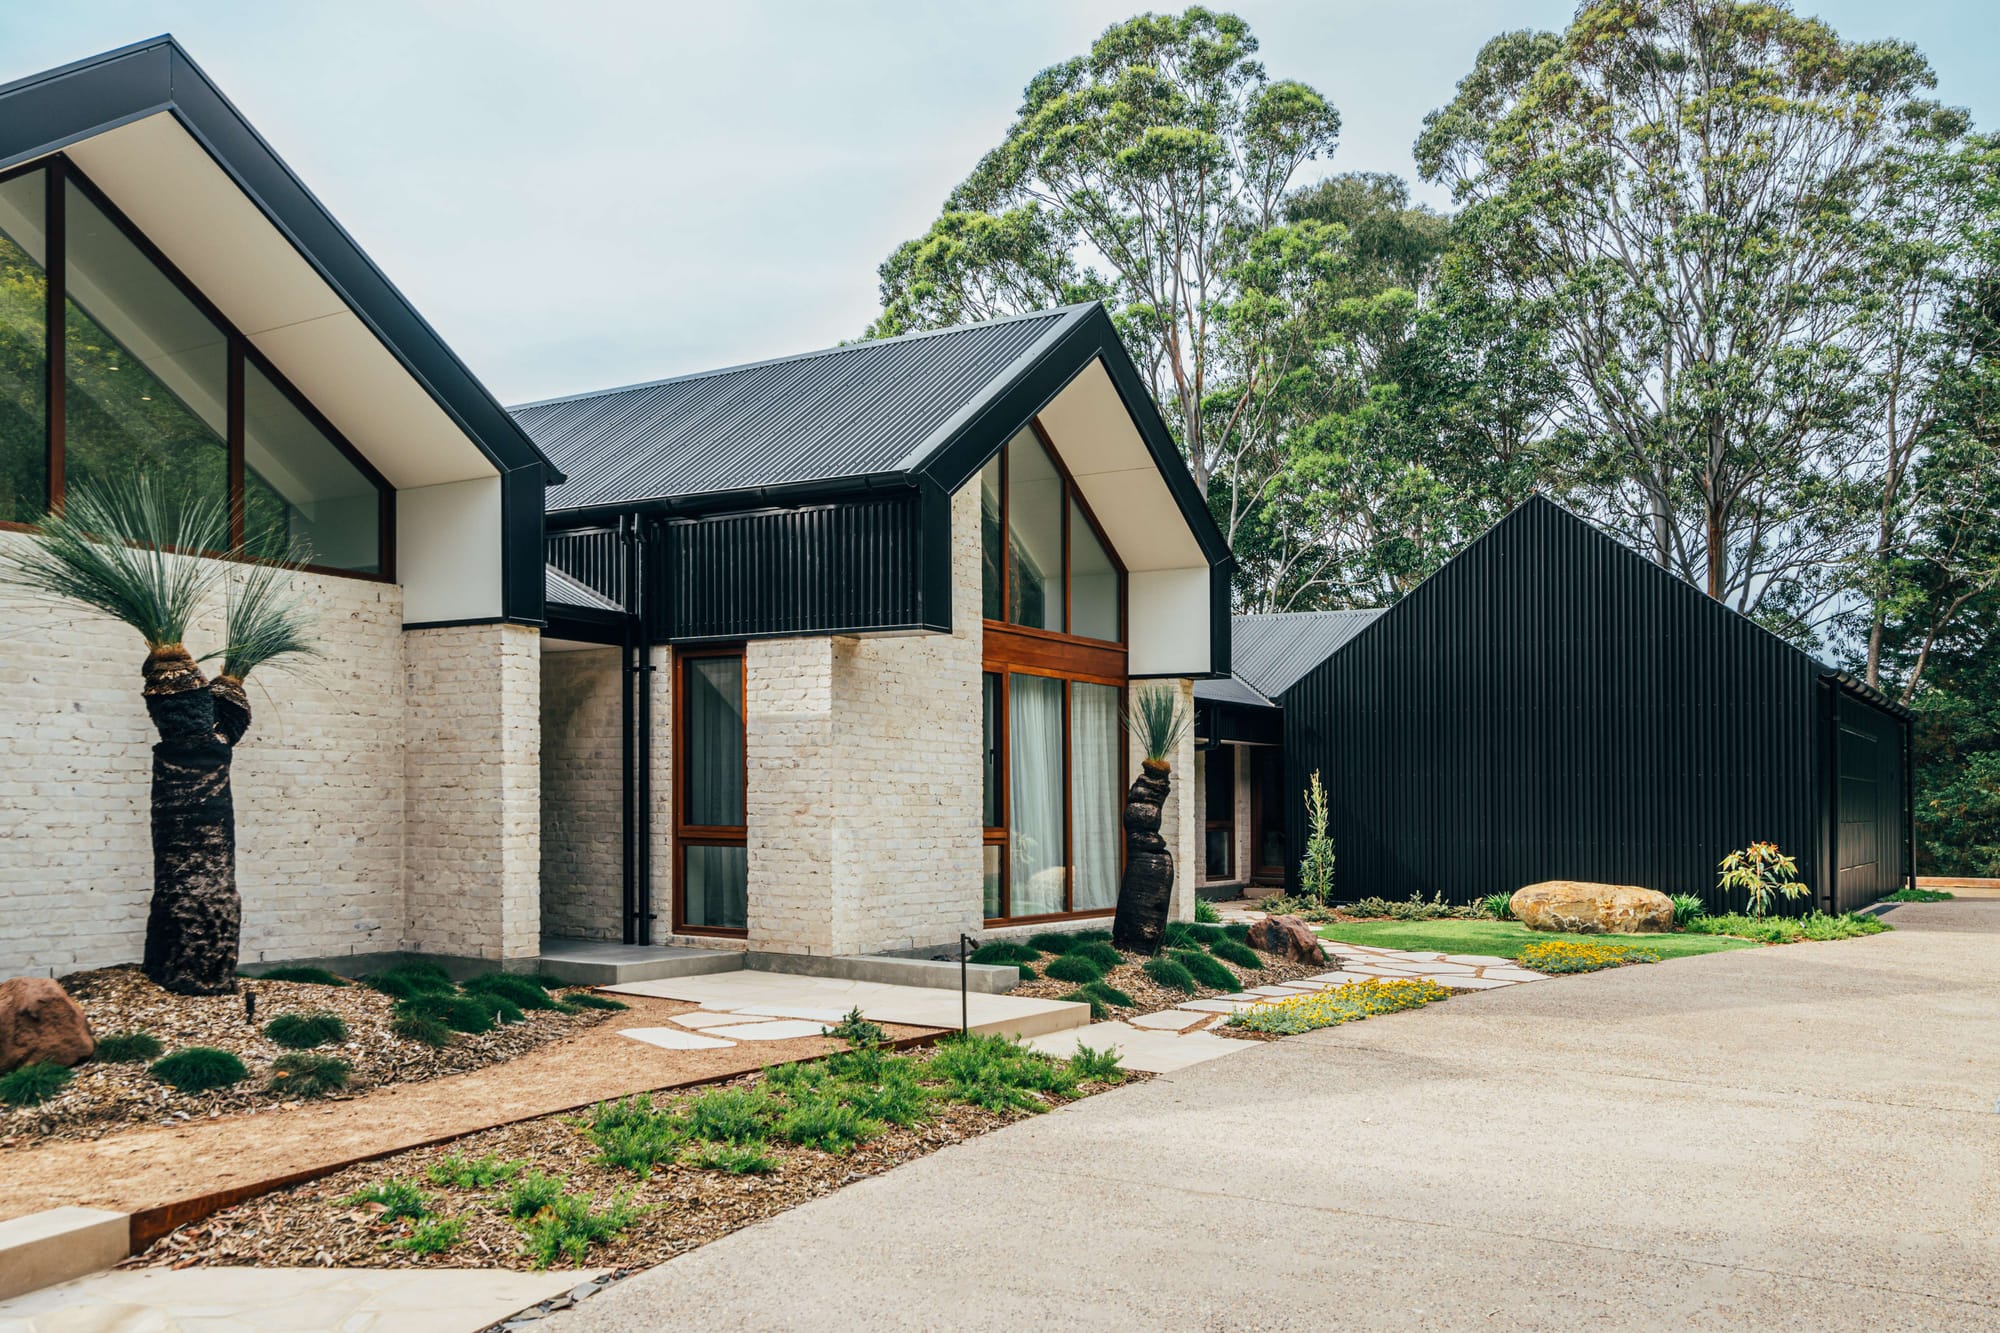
(113, 367)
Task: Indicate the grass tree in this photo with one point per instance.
(1145, 896)
(112, 549)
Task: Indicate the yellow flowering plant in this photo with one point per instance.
(1339, 1004)
(1550, 956)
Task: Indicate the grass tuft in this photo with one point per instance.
(1053, 941)
(432, 1235)
(998, 1074)
(631, 1134)
(736, 1161)
(519, 991)
(303, 1031)
(1093, 937)
(1206, 913)
(1170, 972)
(1073, 967)
(1229, 951)
(1207, 970)
(1099, 1011)
(592, 1000)
(199, 1069)
(827, 1124)
(459, 1172)
(304, 1075)
(421, 1028)
(395, 1196)
(1498, 906)
(732, 1115)
(534, 1193)
(1098, 952)
(128, 1048)
(1095, 1065)
(304, 976)
(1003, 952)
(567, 1228)
(33, 1084)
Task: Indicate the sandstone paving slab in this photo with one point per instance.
(1170, 1020)
(1149, 1051)
(295, 1300)
(1343, 978)
(785, 994)
(1216, 1006)
(673, 1039)
(1478, 960)
(795, 1011)
(704, 1018)
(781, 1029)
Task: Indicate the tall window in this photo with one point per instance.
(712, 885)
(1053, 691)
(1218, 793)
(113, 367)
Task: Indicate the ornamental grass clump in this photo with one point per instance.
(1003, 952)
(1498, 906)
(1098, 952)
(1341, 1004)
(195, 1069)
(303, 1031)
(395, 1197)
(128, 1048)
(1207, 971)
(592, 1000)
(1242, 955)
(1074, 968)
(305, 1075)
(519, 991)
(1560, 956)
(432, 1235)
(33, 1084)
(1170, 972)
(1688, 908)
(303, 976)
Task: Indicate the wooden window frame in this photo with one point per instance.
(1010, 650)
(705, 835)
(59, 170)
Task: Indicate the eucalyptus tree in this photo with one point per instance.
(1686, 191)
(114, 550)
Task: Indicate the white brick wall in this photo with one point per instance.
(318, 786)
(583, 785)
(472, 769)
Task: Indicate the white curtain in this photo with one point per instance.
(715, 741)
(1094, 795)
(1035, 773)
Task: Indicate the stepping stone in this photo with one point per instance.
(806, 1012)
(1342, 978)
(1211, 1006)
(1169, 1020)
(1275, 992)
(673, 1039)
(781, 1030)
(1478, 960)
(702, 1018)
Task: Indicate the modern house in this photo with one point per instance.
(1551, 705)
(821, 656)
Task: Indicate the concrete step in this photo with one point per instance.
(58, 1244)
(892, 970)
(598, 963)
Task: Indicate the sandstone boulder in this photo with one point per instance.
(1289, 937)
(40, 1023)
(1583, 908)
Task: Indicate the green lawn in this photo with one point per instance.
(1508, 938)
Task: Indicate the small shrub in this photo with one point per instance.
(1092, 937)
(894, 1096)
(1418, 908)
(459, 1172)
(857, 1031)
(827, 1124)
(497, 1008)
(304, 976)
(1053, 941)
(1909, 895)
(737, 1161)
(533, 1193)
(1229, 951)
(519, 991)
(586, 999)
(567, 1228)
(1291, 904)
(1206, 913)
(432, 1235)
(1238, 931)
(199, 1069)
(303, 1031)
(732, 1115)
(1099, 1011)
(1341, 1004)
(1317, 861)
(420, 1028)
(472, 1014)
(33, 1084)
(1179, 935)
(1763, 873)
(998, 1074)
(1498, 906)
(128, 1048)
(302, 1074)
(1110, 994)
(1789, 930)
(1095, 1065)
(1073, 967)
(396, 1197)
(411, 980)
(799, 1079)
(1027, 971)
(1099, 953)
(632, 1135)
(1170, 972)
(1206, 935)
(1207, 970)
(1559, 956)
(1688, 907)
(1003, 951)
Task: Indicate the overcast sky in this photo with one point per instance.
(589, 193)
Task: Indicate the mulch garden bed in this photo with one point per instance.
(680, 1206)
(104, 1097)
(1151, 997)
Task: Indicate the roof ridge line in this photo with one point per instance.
(916, 336)
(970, 410)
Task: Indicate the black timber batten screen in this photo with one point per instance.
(1550, 705)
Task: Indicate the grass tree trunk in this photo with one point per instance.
(1145, 897)
(193, 926)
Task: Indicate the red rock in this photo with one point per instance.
(40, 1023)
(1289, 936)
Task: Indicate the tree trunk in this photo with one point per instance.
(193, 927)
(1145, 896)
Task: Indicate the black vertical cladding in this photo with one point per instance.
(598, 557)
(1550, 705)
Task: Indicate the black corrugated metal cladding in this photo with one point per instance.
(1550, 705)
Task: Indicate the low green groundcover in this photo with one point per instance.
(1506, 939)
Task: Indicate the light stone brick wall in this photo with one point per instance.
(318, 785)
(583, 793)
(472, 771)
(864, 791)
(1180, 822)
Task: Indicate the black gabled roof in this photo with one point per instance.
(1272, 652)
(44, 113)
(860, 410)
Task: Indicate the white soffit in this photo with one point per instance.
(1102, 448)
(171, 189)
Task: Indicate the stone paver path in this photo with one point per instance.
(773, 1006)
(1194, 1031)
(291, 1300)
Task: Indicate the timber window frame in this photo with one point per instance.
(59, 173)
(689, 834)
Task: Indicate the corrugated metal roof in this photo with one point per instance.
(1230, 690)
(1272, 652)
(864, 409)
(566, 591)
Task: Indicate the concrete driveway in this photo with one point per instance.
(1802, 1138)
